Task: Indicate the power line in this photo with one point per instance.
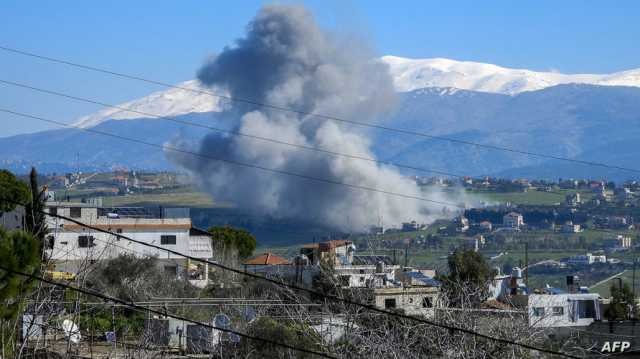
(317, 115)
(231, 132)
(242, 164)
(139, 307)
(313, 292)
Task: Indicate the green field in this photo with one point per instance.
(184, 199)
(531, 197)
(627, 277)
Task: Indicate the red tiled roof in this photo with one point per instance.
(266, 259)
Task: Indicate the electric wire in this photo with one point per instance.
(317, 293)
(237, 163)
(317, 115)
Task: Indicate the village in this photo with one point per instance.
(184, 252)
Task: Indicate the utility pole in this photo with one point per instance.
(633, 288)
(633, 277)
(406, 256)
(91, 332)
(526, 263)
(113, 326)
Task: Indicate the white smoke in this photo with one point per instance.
(286, 60)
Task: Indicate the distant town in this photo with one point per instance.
(550, 247)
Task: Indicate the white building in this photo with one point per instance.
(570, 227)
(72, 246)
(563, 309)
(624, 241)
(513, 220)
(587, 259)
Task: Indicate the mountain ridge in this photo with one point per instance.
(407, 74)
(575, 121)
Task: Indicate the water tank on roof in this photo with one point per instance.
(516, 272)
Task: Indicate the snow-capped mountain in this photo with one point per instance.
(172, 102)
(574, 116)
(410, 74)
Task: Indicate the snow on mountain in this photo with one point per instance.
(408, 74)
(412, 74)
(168, 103)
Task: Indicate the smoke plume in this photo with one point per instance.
(286, 60)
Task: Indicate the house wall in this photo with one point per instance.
(408, 299)
(360, 274)
(564, 301)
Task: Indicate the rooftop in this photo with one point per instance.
(266, 259)
(330, 244)
(371, 260)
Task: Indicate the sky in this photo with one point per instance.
(169, 40)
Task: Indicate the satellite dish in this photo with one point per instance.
(249, 314)
(71, 331)
(234, 338)
(222, 321)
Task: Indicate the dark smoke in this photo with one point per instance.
(286, 60)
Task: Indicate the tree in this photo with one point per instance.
(234, 239)
(290, 332)
(621, 300)
(136, 278)
(35, 221)
(469, 276)
(19, 251)
(12, 191)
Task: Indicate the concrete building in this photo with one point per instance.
(505, 285)
(474, 243)
(587, 259)
(620, 243)
(555, 309)
(375, 278)
(72, 246)
(513, 220)
(462, 224)
(573, 199)
(412, 300)
(485, 226)
(570, 227)
(340, 252)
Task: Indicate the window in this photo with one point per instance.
(51, 240)
(119, 230)
(586, 309)
(390, 303)
(85, 241)
(53, 211)
(558, 311)
(167, 239)
(361, 279)
(75, 212)
(427, 302)
(345, 280)
(538, 311)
